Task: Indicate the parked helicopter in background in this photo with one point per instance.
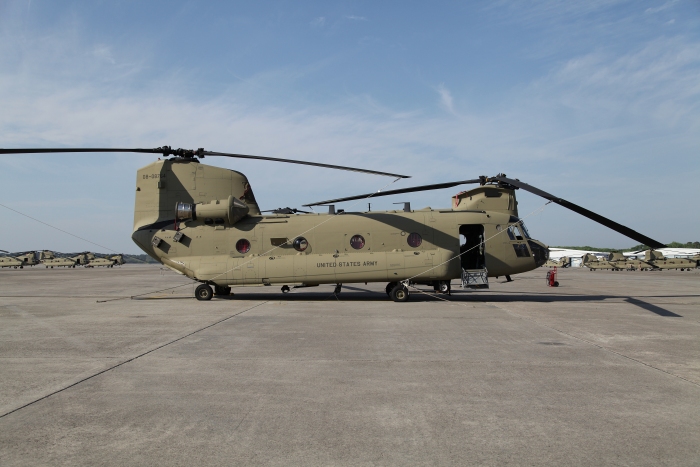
(51, 259)
(204, 222)
(17, 260)
(563, 262)
(653, 261)
(104, 261)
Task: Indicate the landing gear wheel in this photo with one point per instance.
(399, 293)
(445, 287)
(203, 292)
(218, 290)
(285, 289)
(389, 287)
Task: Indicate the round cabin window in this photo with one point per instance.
(357, 242)
(243, 246)
(300, 244)
(414, 240)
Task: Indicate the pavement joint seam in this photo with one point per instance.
(130, 360)
(581, 339)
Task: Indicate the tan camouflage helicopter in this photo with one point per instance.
(203, 221)
(563, 262)
(18, 260)
(51, 259)
(653, 260)
(656, 260)
(104, 261)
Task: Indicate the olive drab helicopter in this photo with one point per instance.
(204, 222)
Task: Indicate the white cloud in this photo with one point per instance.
(662, 7)
(103, 52)
(446, 100)
(356, 18)
(318, 22)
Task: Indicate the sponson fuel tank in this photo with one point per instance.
(164, 183)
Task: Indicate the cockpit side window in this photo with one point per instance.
(514, 233)
(523, 229)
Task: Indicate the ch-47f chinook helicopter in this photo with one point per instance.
(17, 260)
(203, 222)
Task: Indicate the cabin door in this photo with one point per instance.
(471, 246)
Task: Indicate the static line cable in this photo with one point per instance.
(254, 258)
(71, 234)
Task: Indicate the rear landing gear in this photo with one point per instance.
(285, 289)
(203, 292)
(219, 290)
(399, 293)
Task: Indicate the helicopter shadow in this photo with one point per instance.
(424, 296)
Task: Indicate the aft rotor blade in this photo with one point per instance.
(435, 186)
(633, 234)
(314, 164)
(74, 150)
(168, 151)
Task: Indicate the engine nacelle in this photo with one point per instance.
(230, 211)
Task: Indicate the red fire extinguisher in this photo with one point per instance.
(552, 278)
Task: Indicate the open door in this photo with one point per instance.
(471, 246)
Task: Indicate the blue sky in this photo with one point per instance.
(596, 102)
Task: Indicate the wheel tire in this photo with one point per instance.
(285, 289)
(399, 293)
(218, 290)
(556, 283)
(203, 292)
(389, 287)
(444, 287)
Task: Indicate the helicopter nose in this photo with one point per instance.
(539, 251)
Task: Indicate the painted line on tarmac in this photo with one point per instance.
(131, 359)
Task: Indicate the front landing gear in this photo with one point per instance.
(203, 292)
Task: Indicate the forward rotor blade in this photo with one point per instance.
(168, 151)
(633, 234)
(435, 186)
(314, 164)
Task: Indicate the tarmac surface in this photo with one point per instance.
(604, 370)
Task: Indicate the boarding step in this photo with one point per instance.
(475, 279)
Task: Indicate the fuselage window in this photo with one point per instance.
(300, 244)
(414, 240)
(243, 246)
(357, 242)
